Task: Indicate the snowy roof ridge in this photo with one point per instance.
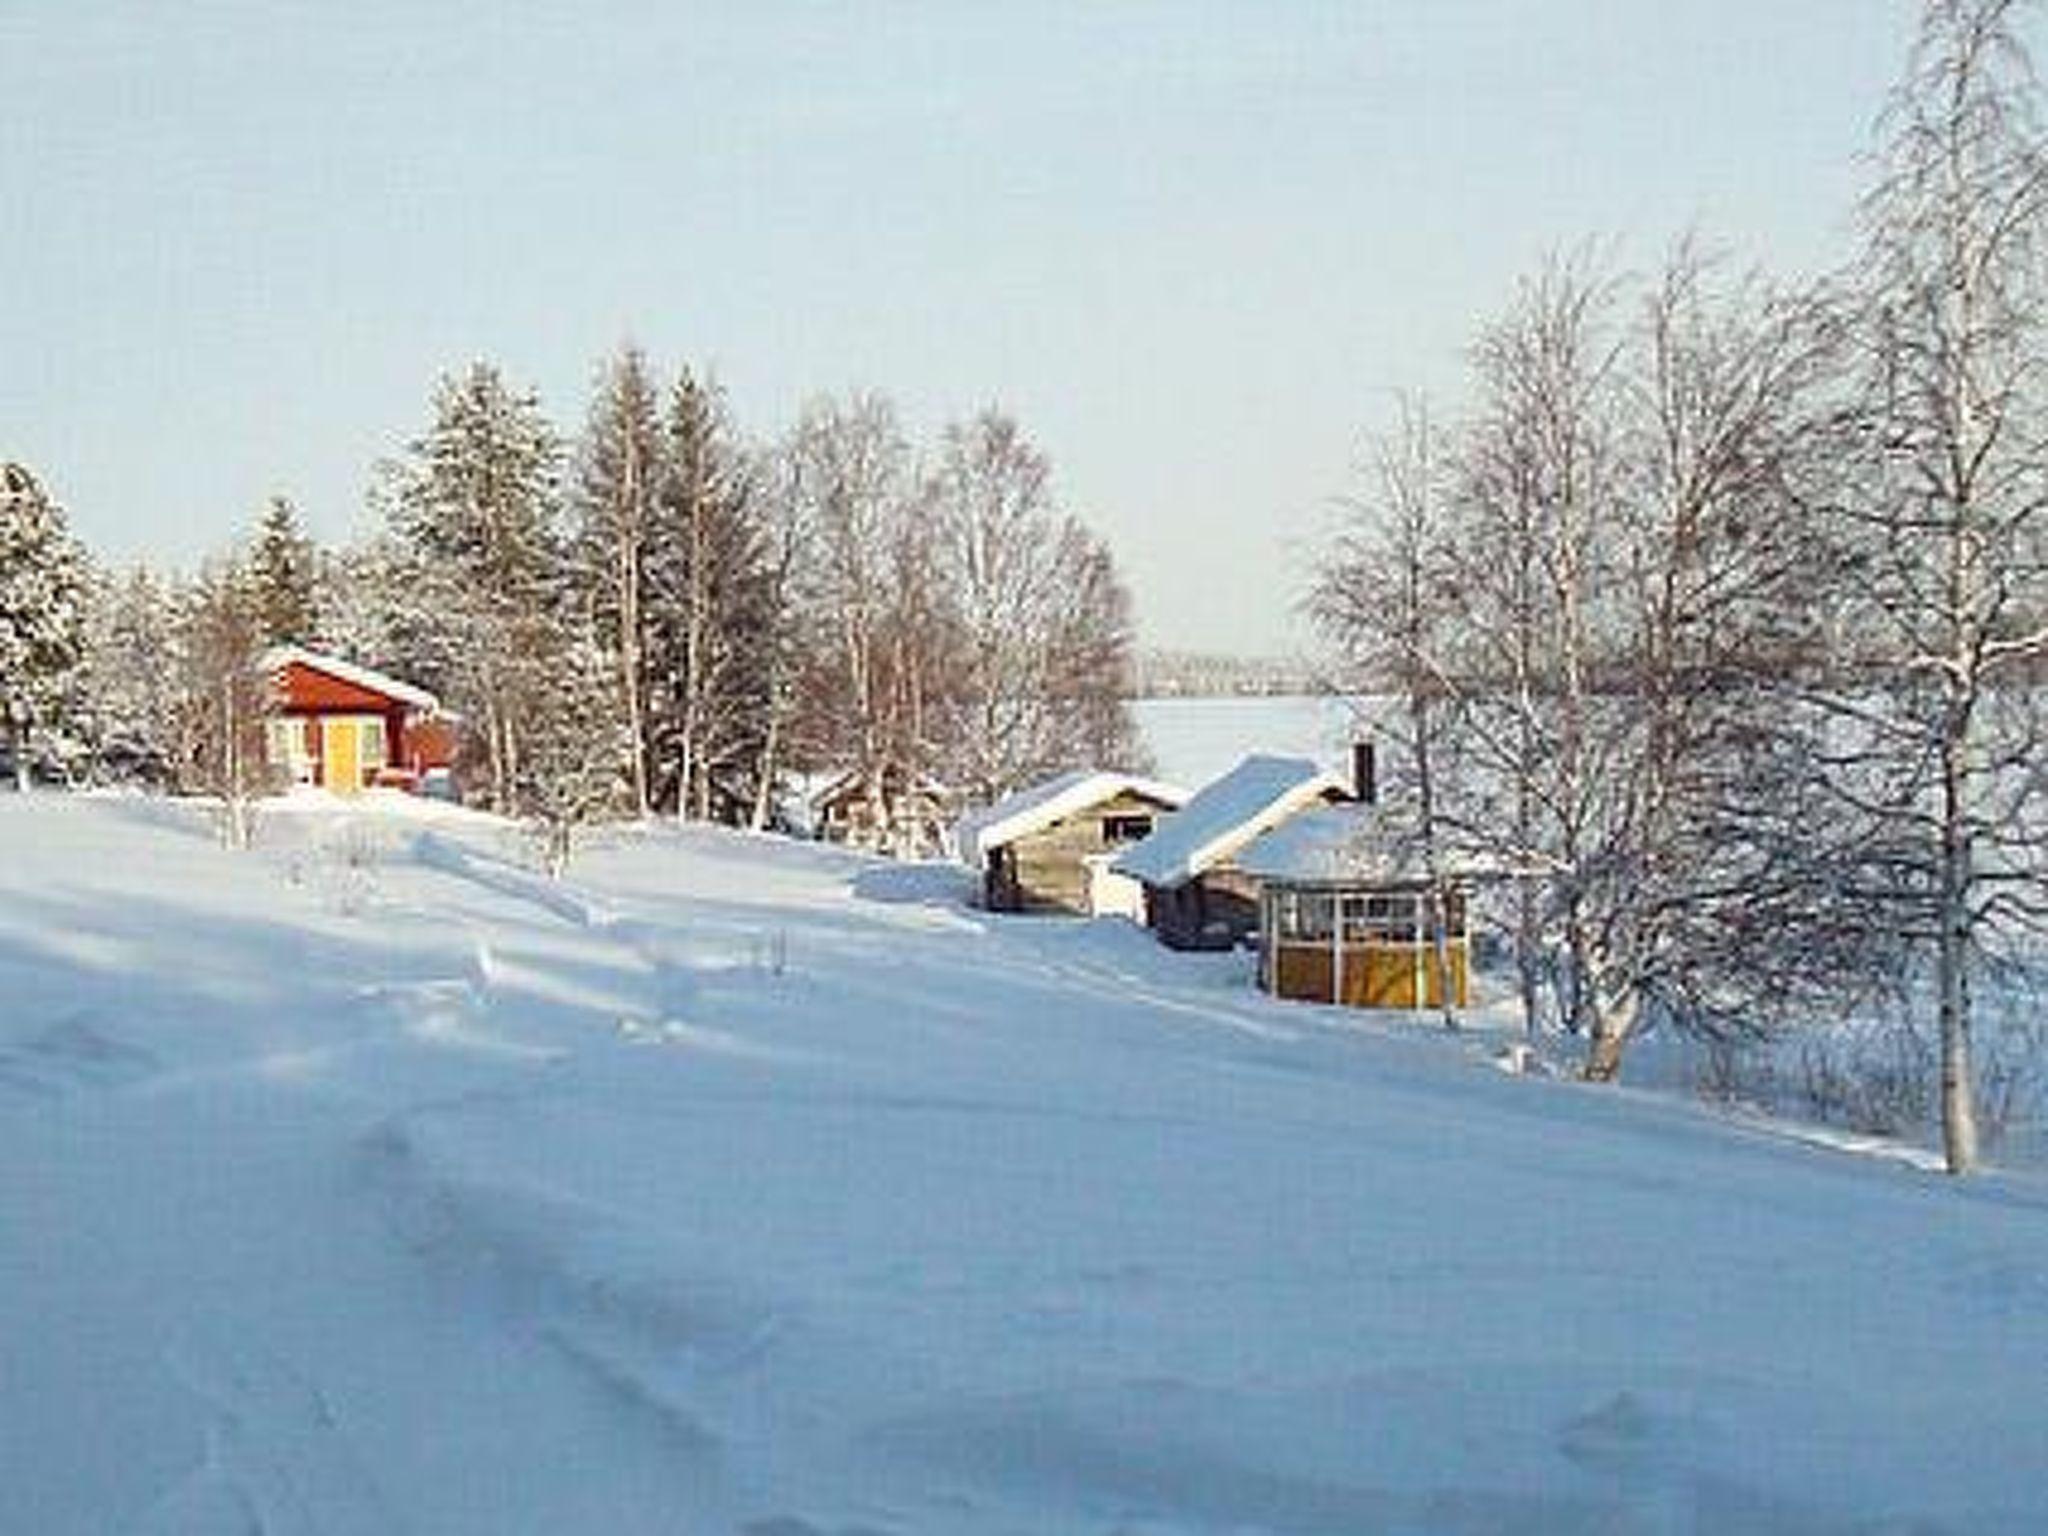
(1224, 815)
(278, 657)
(1040, 805)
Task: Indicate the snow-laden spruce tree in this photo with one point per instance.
(473, 512)
(283, 570)
(131, 676)
(43, 597)
(616, 541)
(714, 613)
(1934, 730)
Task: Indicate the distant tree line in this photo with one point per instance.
(1164, 674)
(1717, 622)
(655, 615)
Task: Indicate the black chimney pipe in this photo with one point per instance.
(1365, 785)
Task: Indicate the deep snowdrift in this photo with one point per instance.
(365, 1183)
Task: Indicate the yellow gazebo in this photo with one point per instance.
(1345, 916)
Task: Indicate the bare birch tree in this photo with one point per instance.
(1945, 525)
(850, 477)
(224, 696)
(1038, 665)
(1386, 599)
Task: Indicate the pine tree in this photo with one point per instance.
(43, 596)
(282, 570)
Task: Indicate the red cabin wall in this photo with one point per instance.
(414, 744)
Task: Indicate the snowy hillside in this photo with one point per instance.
(365, 1184)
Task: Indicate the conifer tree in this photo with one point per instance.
(282, 568)
(474, 524)
(619, 531)
(710, 615)
(43, 595)
(130, 684)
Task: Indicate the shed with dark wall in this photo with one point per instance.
(1196, 897)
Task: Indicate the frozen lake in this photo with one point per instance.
(1194, 740)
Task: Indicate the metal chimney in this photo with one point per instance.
(1365, 785)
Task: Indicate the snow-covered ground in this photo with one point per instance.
(365, 1183)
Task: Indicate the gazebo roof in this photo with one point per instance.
(1349, 845)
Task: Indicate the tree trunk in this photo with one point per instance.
(1438, 908)
(765, 774)
(17, 741)
(1952, 959)
(1610, 1027)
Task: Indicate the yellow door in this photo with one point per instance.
(341, 756)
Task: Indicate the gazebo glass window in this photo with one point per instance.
(1387, 917)
(1306, 915)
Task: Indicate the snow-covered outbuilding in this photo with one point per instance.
(1348, 914)
(893, 812)
(1196, 896)
(1049, 848)
(346, 727)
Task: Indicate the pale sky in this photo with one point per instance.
(1194, 248)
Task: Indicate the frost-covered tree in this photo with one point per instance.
(282, 570)
(131, 676)
(224, 696)
(1535, 512)
(43, 597)
(1386, 600)
(1942, 520)
(1034, 625)
(851, 488)
(1586, 599)
(617, 543)
(714, 609)
(473, 513)
(570, 768)
(366, 611)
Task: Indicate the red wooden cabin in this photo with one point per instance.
(347, 728)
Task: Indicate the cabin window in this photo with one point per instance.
(285, 747)
(1126, 829)
(376, 753)
(1305, 916)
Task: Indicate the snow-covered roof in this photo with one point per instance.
(1344, 844)
(1224, 815)
(1033, 809)
(278, 657)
